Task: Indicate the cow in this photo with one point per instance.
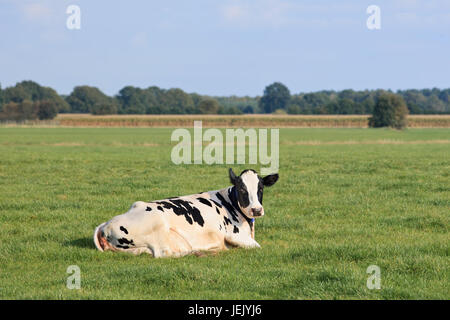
(204, 222)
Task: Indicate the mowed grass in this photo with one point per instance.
(346, 199)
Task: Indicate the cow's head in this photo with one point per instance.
(249, 191)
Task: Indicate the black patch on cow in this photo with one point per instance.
(260, 190)
(230, 208)
(126, 241)
(216, 203)
(241, 192)
(205, 201)
(123, 229)
(235, 229)
(226, 221)
(160, 208)
(123, 247)
(183, 208)
(270, 179)
(234, 201)
(148, 209)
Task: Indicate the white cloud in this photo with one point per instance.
(36, 11)
(46, 17)
(234, 12)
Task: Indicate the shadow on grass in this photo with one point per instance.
(87, 243)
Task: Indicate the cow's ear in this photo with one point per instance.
(270, 179)
(232, 176)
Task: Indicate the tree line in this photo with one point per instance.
(277, 97)
(32, 101)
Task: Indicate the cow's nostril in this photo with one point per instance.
(256, 211)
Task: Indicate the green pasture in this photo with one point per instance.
(346, 199)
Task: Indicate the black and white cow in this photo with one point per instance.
(207, 221)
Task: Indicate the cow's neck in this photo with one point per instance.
(232, 194)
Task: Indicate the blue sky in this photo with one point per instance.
(226, 47)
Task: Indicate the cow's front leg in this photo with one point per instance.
(243, 242)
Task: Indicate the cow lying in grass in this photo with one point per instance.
(207, 221)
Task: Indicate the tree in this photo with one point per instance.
(104, 108)
(30, 90)
(196, 99)
(367, 104)
(346, 106)
(151, 99)
(49, 94)
(294, 109)
(389, 111)
(15, 94)
(83, 98)
(314, 101)
(10, 111)
(28, 110)
(229, 110)
(46, 109)
(248, 109)
(435, 105)
(347, 94)
(131, 100)
(154, 100)
(276, 96)
(415, 100)
(19, 111)
(208, 106)
(177, 101)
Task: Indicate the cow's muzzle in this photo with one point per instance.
(257, 212)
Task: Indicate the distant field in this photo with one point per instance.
(221, 121)
(346, 199)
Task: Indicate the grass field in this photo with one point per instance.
(346, 199)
